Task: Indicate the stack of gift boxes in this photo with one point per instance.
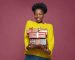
(37, 36)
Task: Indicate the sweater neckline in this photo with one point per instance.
(39, 23)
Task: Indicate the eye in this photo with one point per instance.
(40, 14)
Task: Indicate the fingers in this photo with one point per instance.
(47, 51)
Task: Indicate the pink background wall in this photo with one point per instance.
(13, 16)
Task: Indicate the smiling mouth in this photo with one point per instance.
(38, 19)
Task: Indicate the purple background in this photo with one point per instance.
(13, 16)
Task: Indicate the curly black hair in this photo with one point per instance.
(41, 6)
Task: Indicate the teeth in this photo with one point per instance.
(38, 18)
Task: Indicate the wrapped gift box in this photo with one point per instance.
(37, 33)
(38, 41)
(37, 36)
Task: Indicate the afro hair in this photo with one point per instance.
(41, 6)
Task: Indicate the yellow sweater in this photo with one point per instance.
(50, 39)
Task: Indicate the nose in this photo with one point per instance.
(38, 16)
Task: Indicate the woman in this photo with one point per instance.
(39, 10)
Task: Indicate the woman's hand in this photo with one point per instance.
(47, 51)
(41, 46)
(31, 46)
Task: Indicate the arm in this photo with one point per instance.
(26, 40)
(50, 38)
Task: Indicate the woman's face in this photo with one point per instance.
(39, 15)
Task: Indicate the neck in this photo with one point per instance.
(40, 22)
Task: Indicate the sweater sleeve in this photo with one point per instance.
(26, 39)
(50, 38)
